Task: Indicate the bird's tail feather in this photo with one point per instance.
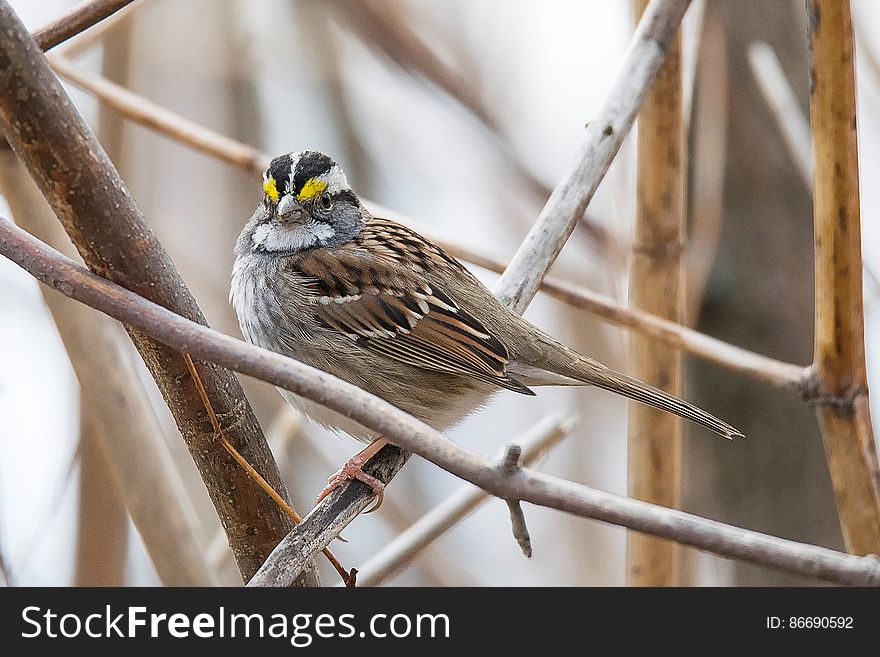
(640, 391)
(568, 364)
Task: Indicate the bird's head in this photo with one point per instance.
(307, 203)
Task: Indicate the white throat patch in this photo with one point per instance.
(290, 237)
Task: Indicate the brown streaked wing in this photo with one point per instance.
(368, 295)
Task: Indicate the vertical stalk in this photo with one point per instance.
(102, 532)
(839, 372)
(654, 456)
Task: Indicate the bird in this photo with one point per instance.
(318, 278)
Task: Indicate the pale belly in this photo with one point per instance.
(439, 400)
(440, 416)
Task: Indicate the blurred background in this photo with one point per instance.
(459, 115)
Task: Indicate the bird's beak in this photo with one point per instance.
(289, 209)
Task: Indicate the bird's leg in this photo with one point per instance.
(353, 469)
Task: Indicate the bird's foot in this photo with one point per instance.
(353, 469)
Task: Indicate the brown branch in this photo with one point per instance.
(78, 19)
(110, 232)
(840, 378)
(604, 135)
(98, 34)
(175, 127)
(526, 485)
(654, 447)
(247, 467)
(434, 564)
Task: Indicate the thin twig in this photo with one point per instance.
(97, 33)
(840, 385)
(251, 471)
(656, 285)
(410, 543)
(519, 527)
(157, 118)
(509, 465)
(604, 135)
(435, 564)
(86, 192)
(287, 560)
(78, 19)
(792, 124)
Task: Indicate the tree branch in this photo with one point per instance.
(110, 233)
(206, 344)
(78, 19)
(604, 135)
(102, 529)
(656, 284)
(840, 379)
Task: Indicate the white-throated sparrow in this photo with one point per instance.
(317, 278)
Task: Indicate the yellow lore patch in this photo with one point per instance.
(270, 188)
(312, 188)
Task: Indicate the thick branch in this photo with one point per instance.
(604, 135)
(656, 285)
(206, 344)
(841, 390)
(78, 19)
(109, 231)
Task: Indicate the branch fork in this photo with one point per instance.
(509, 465)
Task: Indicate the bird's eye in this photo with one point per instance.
(326, 201)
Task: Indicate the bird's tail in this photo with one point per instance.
(565, 363)
(627, 386)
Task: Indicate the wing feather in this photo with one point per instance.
(367, 291)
